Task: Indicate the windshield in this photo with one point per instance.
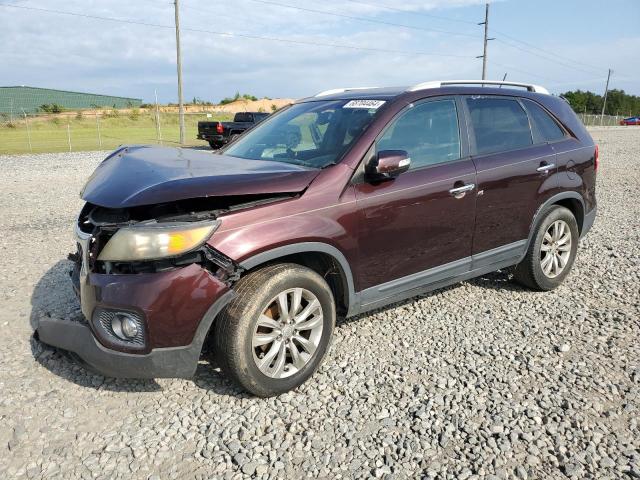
(312, 134)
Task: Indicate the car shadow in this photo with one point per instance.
(498, 280)
(53, 297)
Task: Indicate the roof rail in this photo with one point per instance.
(341, 90)
(441, 83)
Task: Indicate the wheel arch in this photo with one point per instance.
(323, 258)
(571, 200)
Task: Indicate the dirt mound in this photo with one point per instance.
(262, 105)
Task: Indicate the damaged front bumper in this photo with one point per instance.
(174, 308)
(176, 362)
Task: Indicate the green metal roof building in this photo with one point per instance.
(14, 99)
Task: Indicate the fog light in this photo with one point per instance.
(124, 326)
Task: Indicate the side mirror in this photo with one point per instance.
(387, 164)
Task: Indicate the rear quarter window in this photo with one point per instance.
(499, 124)
(547, 127)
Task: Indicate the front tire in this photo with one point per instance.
(551, 252)
(274, 334)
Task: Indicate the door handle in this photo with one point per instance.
(546, 167)
(459, 192)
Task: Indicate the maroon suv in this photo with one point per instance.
(339, 204)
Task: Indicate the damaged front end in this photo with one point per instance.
(152, 209)
(102, 224)
(149, 283)
(149, 295)
(153, 265)
(154, 239)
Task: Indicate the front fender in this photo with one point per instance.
(262, 242)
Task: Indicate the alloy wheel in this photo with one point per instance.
(555, 250)
(287, 333)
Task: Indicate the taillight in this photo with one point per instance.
(596, 159)
(220, 130)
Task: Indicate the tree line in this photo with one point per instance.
(618, 102)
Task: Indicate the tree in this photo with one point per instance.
(618, 102)
(53, 108)
(237, 97)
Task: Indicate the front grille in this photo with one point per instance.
(103, 320)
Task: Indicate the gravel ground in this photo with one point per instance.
(480, 380)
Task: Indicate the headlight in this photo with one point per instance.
(149, 242)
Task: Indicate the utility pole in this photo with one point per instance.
(604, 102)
(158, 129)
(486, 40)
(179, 62)
(26, 121)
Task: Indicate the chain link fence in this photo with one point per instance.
(97, 130)
(106, 129)
(592, 120)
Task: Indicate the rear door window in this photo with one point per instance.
(547, 127)
(499, 124)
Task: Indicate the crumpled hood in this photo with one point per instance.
(146, 175)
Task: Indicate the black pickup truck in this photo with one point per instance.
(221, 133)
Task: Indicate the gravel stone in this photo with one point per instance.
(465, 382)
(249, 468)
(606, 462)
(521, 473)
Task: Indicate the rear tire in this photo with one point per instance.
(214, 145)
(274, 334)
(551, 252)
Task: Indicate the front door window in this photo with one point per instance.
(429, 132)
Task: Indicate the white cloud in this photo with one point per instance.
(45, 49)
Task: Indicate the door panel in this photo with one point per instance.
(513, 173)
(413, 223)
(510, 190)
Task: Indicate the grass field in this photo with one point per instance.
(85, 133)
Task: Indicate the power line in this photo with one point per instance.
(422, 14)
(573, 67)
(235, 34)
(522, 71)
(513, 39)
(86, 15)
(395, 9)
(260, 37)
(351, 17)
(363, 19)
(530, 45)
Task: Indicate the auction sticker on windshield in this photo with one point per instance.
(368, 104)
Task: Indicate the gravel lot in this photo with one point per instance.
(480, 380)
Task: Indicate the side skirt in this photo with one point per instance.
(438, 277)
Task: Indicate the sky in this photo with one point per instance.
(562, 45)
